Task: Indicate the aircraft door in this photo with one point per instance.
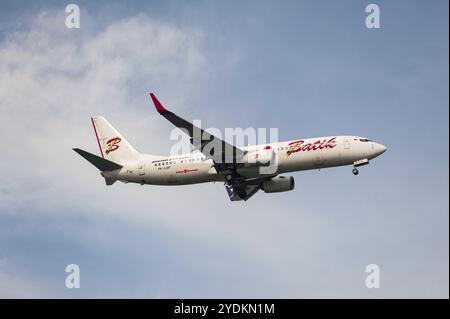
(347, 143)
(141, 168)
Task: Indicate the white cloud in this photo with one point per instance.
(51, 82)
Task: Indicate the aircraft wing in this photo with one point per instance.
(223, 153)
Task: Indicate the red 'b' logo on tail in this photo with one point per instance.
(113, 144)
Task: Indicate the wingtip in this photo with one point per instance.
(159, 107)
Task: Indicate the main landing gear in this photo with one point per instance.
(238, 184)
(355, 171)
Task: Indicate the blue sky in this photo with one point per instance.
(308, 68)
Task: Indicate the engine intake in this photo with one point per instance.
(279, 184)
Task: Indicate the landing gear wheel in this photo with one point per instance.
(355, 171)
(242, 193)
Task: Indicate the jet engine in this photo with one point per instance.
(279, 184)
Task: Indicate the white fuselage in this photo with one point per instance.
(294, 155)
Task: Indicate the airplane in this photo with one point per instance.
(239, 168)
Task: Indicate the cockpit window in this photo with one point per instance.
(365, 140)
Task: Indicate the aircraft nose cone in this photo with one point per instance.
(379, 149)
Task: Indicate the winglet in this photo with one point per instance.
(159, 107)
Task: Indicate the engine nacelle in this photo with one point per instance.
(279, 184)
(259, 158)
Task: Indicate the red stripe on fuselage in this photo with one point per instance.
(96, 135)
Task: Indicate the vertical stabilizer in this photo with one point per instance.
(113, 146)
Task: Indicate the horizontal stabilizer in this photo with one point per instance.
(109, 181)
(102, 164)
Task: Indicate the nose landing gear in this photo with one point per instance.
(356, 164)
